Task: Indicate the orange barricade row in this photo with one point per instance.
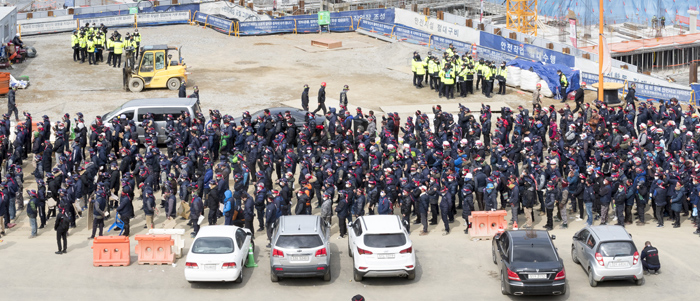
(111, 251)
(485, 224)
(154, 249)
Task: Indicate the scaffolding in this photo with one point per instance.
(522, 16)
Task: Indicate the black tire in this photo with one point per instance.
(327, 275)
(273, 277)
(240, 275)
(411, 275)
(135, 84)
(591, 281)
(173, 83)
(640, 282)
(356, 275)
(573, 256)
(493, 255)
(503, 284)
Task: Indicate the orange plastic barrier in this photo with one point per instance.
(155, 249)
(485, 224)
(111, 251)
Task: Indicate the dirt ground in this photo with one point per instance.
(236, 74)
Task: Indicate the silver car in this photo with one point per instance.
(607, 253)
(300, 248)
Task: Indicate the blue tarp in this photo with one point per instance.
(548, 73)
(616, 11)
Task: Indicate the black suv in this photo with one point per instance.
(528, 263)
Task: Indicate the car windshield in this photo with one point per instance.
(299, 241)
(533, 253)
(213, 245)
(390, 240)
(617, 248)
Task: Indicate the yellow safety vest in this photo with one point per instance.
(82, 41)
(418, 67)
(486, 72)
(432, 67)
(563, 81)
(73, 40)
(449, 76)
(137, 38)
(118, 47)
(91, 46)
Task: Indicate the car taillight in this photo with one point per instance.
(321, 252)
(599, 258)
(635, 257)
(561, 275)
(277, 253)
(229, 265)
(512, 275)
(191, 265)
(407, 251)
(363, 251)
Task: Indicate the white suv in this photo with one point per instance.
(380, 247)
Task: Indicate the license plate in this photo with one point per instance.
(385, 256)
(210, 267)
(537, 276)
(299, 258)
(618, 264)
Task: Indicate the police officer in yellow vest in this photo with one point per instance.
(492, 80)
(118, 50)
(563, 84)
(91, 49)
(75, 45)
(433, 70)
(501, 76)
(488, 79)
(99, 46)
(418, 70)
(129, 49)
(462, 79)
(82, 42)
(479, 73)
(448, 75)
(110, 50)
(469, 80)
(137, 39)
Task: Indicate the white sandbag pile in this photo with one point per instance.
(513, 79)
(546, 91)
(528, 80)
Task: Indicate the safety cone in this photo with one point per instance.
(251, 258)
(515, 225)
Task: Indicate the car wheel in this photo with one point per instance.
(573, 255)
(173, 83)
(273, 277)
(503, 284)
(240, 275)
(591, 280)
(639, 282)
(135, 84)
(356, 275)
(327, 275)
(493, 255)
(411, 275)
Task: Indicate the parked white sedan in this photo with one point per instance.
(380, 247)
(218, 253)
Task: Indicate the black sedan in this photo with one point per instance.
(297, 114)
(529, 263)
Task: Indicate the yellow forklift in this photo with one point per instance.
(156, 67)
